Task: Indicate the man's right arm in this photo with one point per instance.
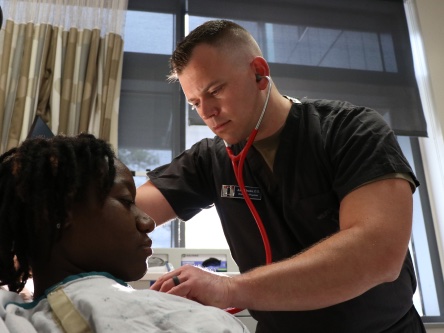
(152, 202)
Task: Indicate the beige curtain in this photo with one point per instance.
(62, 60)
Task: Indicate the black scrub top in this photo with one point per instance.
(326, 149)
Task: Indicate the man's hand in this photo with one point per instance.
(197, 284)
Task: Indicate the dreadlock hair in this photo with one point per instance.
(39, 181)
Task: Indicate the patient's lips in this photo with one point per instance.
(146, 246)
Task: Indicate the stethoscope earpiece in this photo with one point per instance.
(258, 77)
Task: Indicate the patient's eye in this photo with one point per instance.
(128, 202)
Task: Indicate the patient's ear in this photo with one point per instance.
(69, 220)
(74, 211)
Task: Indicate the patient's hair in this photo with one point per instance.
(219, 33)
(39, 182)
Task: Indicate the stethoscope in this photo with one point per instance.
(238, 162)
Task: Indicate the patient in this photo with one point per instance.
(67, 214)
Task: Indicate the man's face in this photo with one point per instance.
(223, 90)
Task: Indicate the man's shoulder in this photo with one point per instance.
(331, 105)
(330, 112)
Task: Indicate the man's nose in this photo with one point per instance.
(208, 109)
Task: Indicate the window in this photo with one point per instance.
(150, 128)
(344, 49)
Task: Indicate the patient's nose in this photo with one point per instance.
(145, 223)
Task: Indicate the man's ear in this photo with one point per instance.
(260, 66)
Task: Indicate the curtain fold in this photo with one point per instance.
(60, 59)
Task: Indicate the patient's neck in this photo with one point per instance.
(52, 272)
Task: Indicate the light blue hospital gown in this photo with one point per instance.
(109, 305)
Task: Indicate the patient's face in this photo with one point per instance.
(111, 237)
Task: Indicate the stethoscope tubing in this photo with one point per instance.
(237, 162)
(238, 166)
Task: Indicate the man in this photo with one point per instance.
(330, 184)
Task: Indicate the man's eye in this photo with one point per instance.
(194, 106)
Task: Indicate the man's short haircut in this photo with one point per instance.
(214, 33)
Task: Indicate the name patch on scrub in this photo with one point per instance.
(234, 192)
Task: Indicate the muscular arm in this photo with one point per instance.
(152, 202)
(369, 249)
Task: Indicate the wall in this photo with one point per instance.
(430, 15)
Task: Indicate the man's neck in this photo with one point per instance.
(275, 115)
